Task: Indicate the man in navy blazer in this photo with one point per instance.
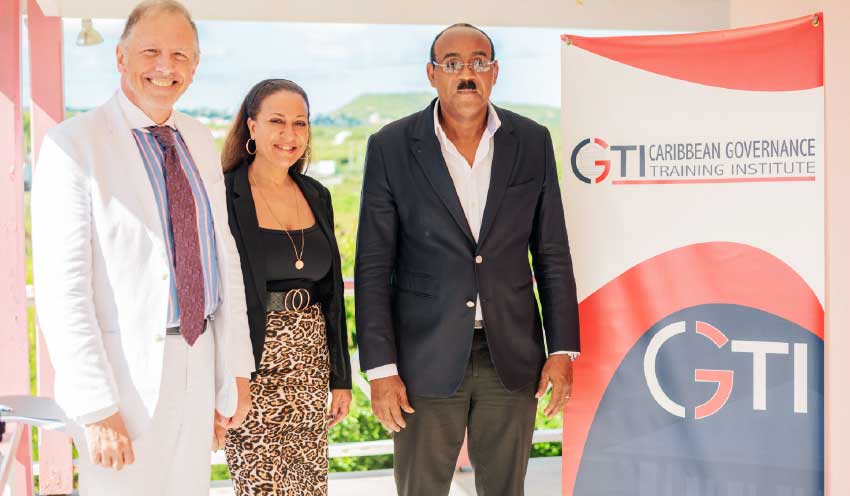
(450, 333)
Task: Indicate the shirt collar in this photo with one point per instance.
(493, 122)
(136, 118)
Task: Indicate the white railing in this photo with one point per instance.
(381, 446)
(373, 448)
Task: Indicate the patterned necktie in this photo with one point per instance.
(184, 232)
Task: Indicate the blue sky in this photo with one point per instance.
(333, 62)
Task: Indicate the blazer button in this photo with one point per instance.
(479, 259)
(470, 304)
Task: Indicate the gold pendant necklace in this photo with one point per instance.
(299, 262)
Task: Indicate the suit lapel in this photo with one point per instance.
(249, 229)
(426, 150)
(133, 172)
(315, 201)
(504, 161)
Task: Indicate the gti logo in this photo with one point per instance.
(725, 379)
(599, 147)
(605, 164)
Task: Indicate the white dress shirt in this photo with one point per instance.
(472, 184)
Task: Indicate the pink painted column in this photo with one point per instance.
(14, 353)
(56, 469)
(837, 401)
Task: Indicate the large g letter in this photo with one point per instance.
(723, 378)
(649, 360)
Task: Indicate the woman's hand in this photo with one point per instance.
(243, 405)
(340, 404)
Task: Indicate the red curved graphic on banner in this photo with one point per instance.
(714, 334)
(616, 316)
(733, 59)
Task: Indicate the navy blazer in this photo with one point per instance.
(242, 216)
(418, 269)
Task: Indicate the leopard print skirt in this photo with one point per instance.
(282, 447)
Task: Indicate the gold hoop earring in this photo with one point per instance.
(248, 146)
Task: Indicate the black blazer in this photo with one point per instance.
(416, 272)
(242, 216)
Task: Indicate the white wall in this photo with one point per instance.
(749, 12)
(837, 86)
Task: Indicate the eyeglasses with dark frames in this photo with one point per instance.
(455, 66)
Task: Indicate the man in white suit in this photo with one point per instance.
(138, 286)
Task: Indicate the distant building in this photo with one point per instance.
(341, 137)
(322, 168)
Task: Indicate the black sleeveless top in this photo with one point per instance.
(281, 274)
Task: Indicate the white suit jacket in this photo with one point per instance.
(101, 271)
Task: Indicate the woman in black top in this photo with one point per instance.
(283, 224)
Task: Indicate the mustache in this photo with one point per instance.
(466, 84)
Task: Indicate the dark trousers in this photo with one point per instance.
(500, 424)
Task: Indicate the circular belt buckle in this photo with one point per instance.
(296, 300)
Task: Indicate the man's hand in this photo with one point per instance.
(340, 403)
(219, 434)
(558, 371)
(109, 444)
(389, 398)
(243, 405)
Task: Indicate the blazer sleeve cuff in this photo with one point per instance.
(97, 415)
(245, 366)
(337, 383)
(573, 354)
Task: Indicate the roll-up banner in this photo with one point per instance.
(693, 184)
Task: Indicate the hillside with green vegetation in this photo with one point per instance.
(385, 107)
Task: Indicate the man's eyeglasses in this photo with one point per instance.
(454, 66)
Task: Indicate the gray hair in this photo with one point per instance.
(149, 7)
